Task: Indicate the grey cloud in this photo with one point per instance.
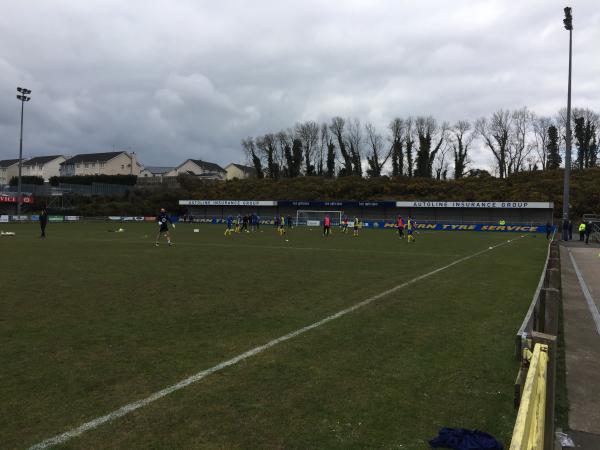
(172, 80)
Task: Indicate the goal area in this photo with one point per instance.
(314, 218)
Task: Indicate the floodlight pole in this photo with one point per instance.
(20, 162)
(23, 96)
(568, 22)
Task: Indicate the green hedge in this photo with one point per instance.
(14, 181)
(128, 180)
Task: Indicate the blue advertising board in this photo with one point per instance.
(335, 204)
(431, 226)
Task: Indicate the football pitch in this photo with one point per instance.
(92, 321)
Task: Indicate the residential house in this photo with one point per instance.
(108, 163)
(158, 172)
(201, 169)
(8, 168)
(239, 171)
(43, 166)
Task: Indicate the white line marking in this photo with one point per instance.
(61, 438)
(587, 294)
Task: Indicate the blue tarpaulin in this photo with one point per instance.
(464, 439)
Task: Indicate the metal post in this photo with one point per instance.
(20, 163)
(568, 26)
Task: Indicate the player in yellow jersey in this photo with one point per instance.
(410, 225)
(357, 226)
(281, 228)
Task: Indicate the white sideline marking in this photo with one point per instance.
(587, 294)
(61, 438)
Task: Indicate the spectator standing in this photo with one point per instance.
(570, 230)
(588, 231)
(581, 231)
(43, 222)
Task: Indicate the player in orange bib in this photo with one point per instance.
(327, 226)
(400, 226)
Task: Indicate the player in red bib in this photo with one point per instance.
(400, 226)
(327, 226)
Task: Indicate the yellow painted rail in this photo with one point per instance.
(528, 433)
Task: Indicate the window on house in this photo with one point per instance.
(93, 165)
(101, 165)
(122, 166)
(78, 165)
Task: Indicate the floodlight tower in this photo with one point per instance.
(568, 22)
(24, 96)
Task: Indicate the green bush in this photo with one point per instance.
(127, 180)
(14, 181)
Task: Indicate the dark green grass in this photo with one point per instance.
(91, 320)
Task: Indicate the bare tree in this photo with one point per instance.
(431, 137)
(462, 138)
(397, 129)
(337, 129)
(519, 148)
(410, 142)
(308, 133)
(251, 154)
(540, 132)
(442, 163)
(376, 157)
(496, 134)
(267, 145)
(321, 153)
(285, 140)
(354, 138)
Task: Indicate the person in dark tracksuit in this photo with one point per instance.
(548, 230)
(43, 222)
(588, 231)
(163, 221)
(570, 230)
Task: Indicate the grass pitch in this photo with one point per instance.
(90, 321)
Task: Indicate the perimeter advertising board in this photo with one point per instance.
(479, 205)
(429, 226)
(11, 198)
(227, 203)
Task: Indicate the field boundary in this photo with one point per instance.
(130, 407)
(527, 324)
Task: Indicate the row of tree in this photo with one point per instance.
(519, 140)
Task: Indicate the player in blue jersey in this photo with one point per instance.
(229, 228)
(163, 221)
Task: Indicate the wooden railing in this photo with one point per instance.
(530, 426)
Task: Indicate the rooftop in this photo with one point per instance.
(244, 168)
(8, 162)
(93, 157)
(41, 160)
(212, 167)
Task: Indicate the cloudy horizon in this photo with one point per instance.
(187, 79)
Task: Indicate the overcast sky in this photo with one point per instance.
(177, 79)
